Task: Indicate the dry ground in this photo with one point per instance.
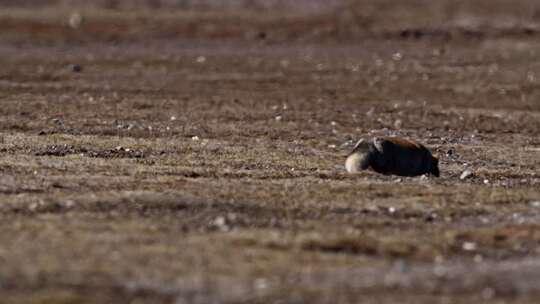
(191, 156)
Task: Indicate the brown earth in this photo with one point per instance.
(195, 153)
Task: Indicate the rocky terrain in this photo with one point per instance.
(193, 152)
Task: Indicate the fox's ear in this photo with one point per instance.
(359, 144)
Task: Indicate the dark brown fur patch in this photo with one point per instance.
(404, 143)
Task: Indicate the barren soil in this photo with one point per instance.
(195, 154)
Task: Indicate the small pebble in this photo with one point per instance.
(76, 68)
(535, 204)
(75, 20)
(69, 203)
(469, 246)
(219, 221)
(260, 283)
(466, 174)
(478, 258)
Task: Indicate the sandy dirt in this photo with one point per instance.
(193, 152)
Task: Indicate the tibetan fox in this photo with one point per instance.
(392, 155)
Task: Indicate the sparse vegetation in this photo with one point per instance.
(206, 163)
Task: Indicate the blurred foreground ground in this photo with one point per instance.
(192, 152)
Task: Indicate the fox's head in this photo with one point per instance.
(358, 158)
(361, 146)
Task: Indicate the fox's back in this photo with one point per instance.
(400, 156)
(403, 144)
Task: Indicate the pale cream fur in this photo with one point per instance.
(352, 164)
